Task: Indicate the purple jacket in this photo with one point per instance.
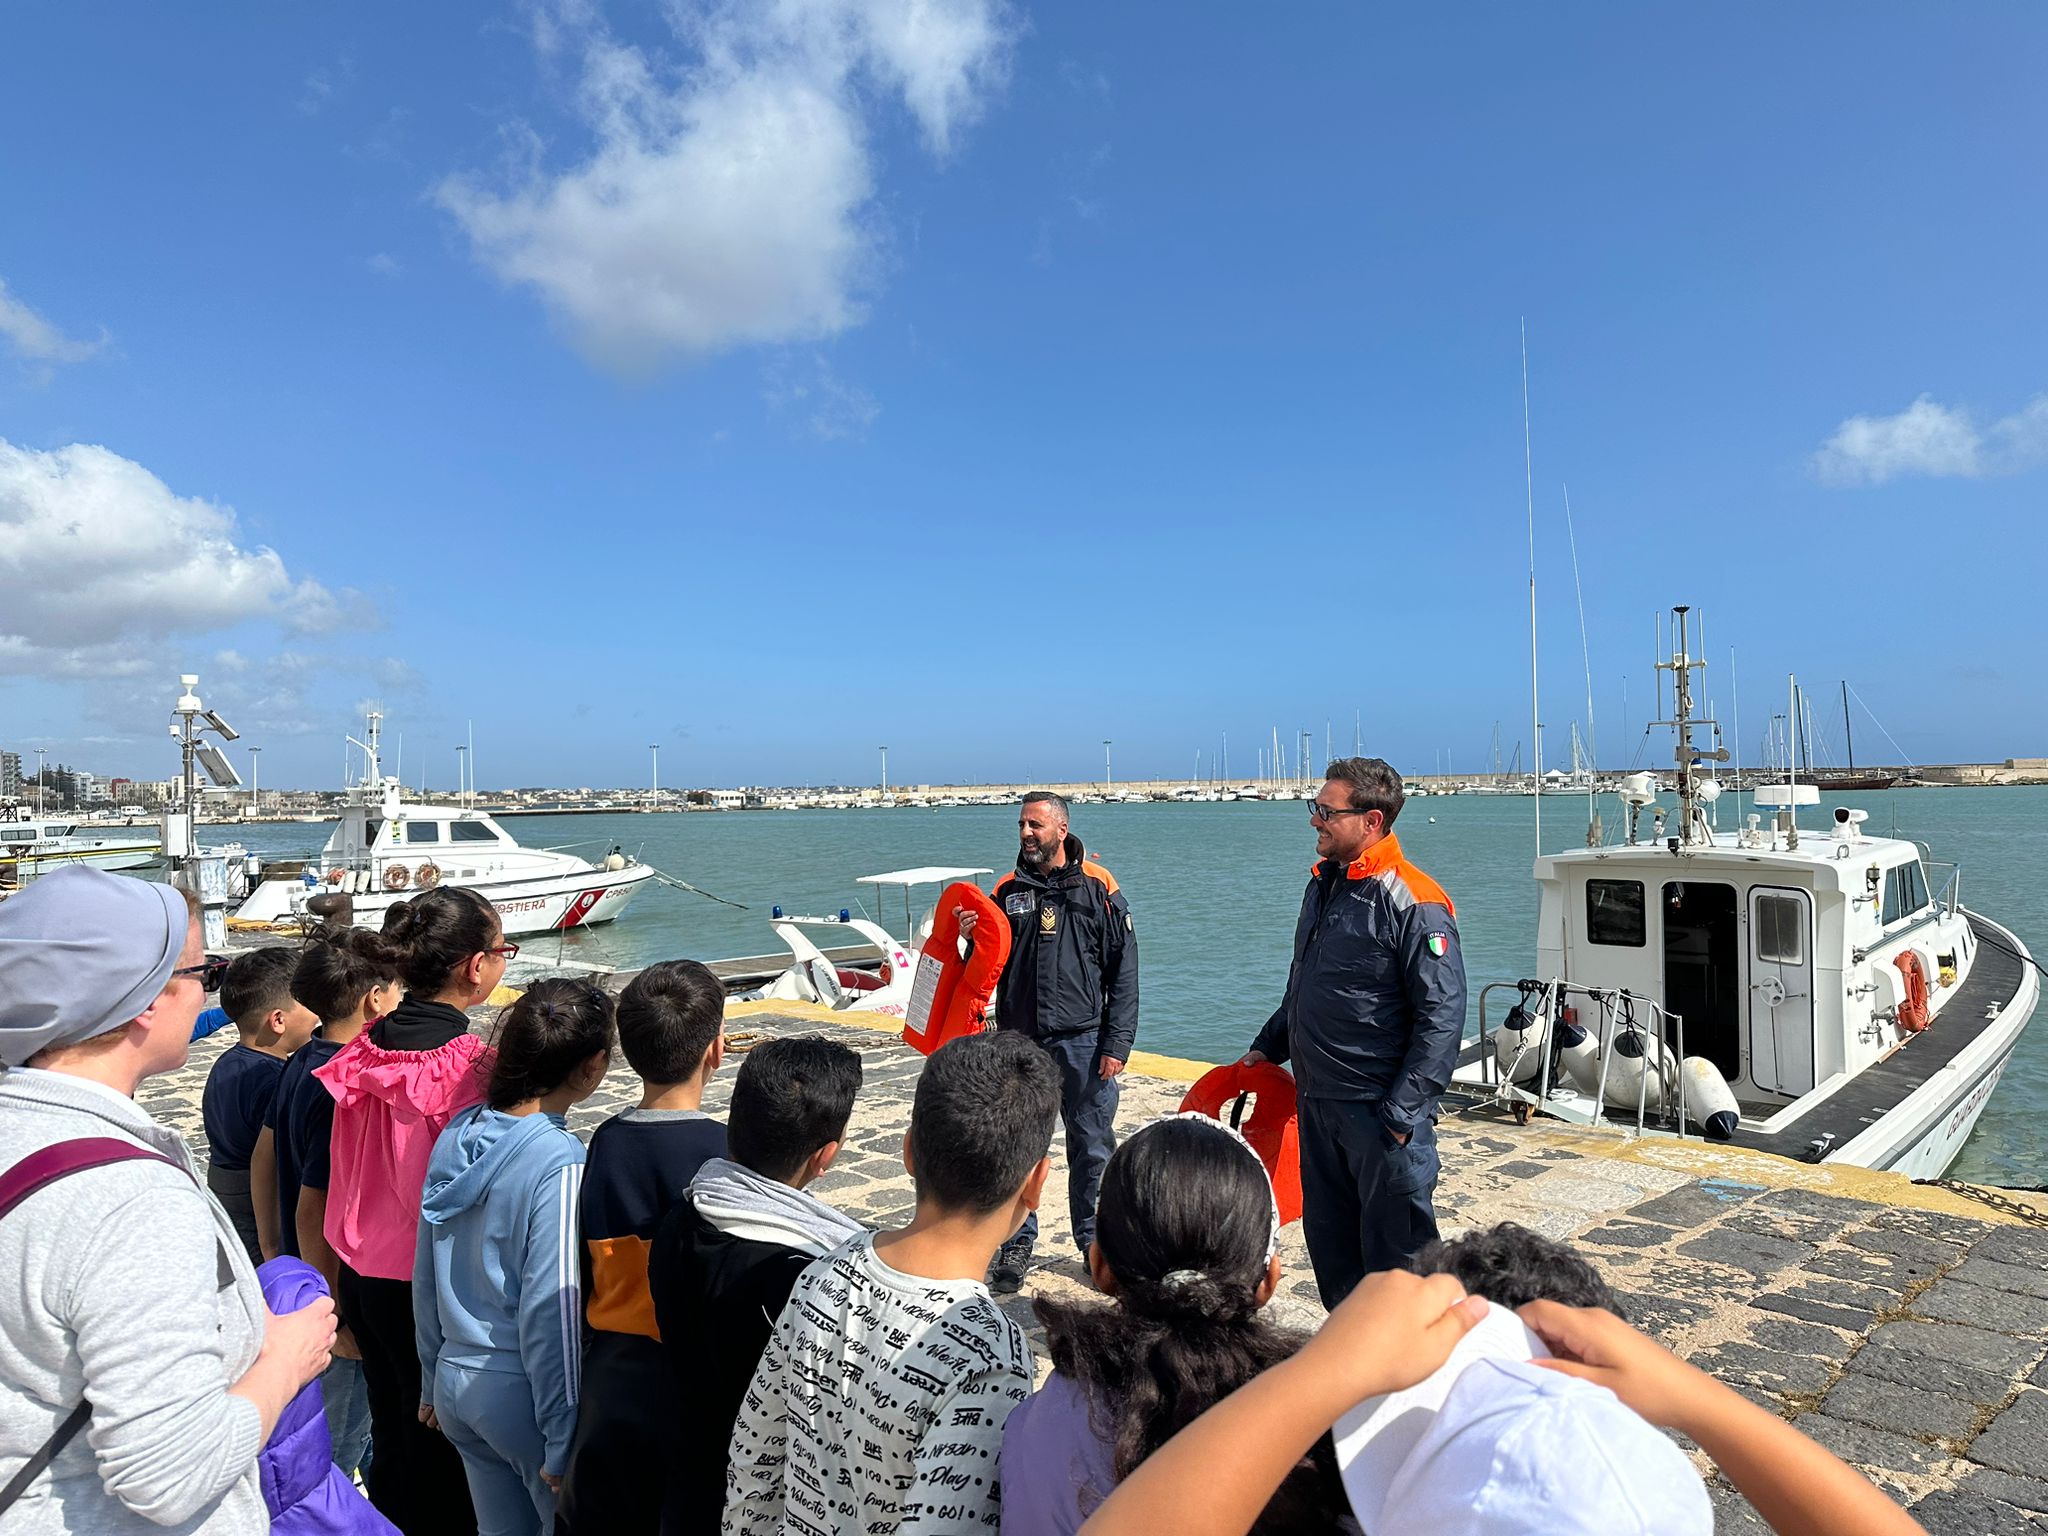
(308, 1495)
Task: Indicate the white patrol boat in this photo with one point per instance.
(1807, 992)
(34, 845)
(385, 850)
(844, 980)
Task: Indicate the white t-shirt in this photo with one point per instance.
(878, 1406)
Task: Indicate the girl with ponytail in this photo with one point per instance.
(496, 1283)
(395, 1087)
(1185, 1236)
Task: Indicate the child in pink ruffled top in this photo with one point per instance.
(395, 1087)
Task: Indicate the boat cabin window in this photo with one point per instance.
(471, 832)
(1614, 912)
(1781, 930)
(372, 830)
(423, 831)
(1905, 892)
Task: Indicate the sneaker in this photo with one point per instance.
(1006, 1275)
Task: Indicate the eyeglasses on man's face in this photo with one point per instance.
(211, 971)
(1319, 812)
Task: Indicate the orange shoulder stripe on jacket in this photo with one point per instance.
(1091, 868)
(1424, 889)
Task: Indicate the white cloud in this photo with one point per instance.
(814, 398)
(728, 201)
(384, 264)
(99, 559)
(1933, 440)
(36, 339)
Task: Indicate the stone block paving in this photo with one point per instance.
(1913, 1343)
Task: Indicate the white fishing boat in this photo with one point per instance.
(871, 977)
(386, 849)
(1809, 992)
(35, 845)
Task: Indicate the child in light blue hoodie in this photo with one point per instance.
(497, 1294)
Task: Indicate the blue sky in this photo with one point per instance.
(775, 381)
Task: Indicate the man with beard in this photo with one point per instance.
(1371, 1020)
(1071, 985)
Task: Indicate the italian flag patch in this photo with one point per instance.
(1438, 943)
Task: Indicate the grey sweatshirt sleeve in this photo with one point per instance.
(169, 1438)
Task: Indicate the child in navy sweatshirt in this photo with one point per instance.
(497, 1299)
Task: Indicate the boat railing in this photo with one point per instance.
(1619, 1009)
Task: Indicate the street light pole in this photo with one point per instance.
(461, 775)
(654, 790)
(42, 772)
(255, 780)
(1106, 780)
(885, 773)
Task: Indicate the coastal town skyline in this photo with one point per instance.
(791, 383)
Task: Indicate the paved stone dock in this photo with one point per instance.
(1902, 1326)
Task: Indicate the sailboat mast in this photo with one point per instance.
(1848, 735)
(1529, 490)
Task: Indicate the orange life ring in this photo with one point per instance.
(427, 876)
(949, 996)
(1273, 1131)
(336, 876)
(1914, 1014)
(396, 877)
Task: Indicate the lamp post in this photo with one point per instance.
(654, 787)
(462, 775)
(42, 772)
(885, 773)
(255, 793)
(1105, 767)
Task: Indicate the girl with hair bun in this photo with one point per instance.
(1185, 1238)
(395, 1087)
(497, 1288)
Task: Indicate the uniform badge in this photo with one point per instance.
(1438, 943)
(1048, 918)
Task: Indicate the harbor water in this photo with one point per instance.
(1214, 890)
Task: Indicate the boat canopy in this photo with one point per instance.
(930, 874)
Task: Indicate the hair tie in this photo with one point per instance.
(1181, 1279)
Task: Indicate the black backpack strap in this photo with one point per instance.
(39, 1463)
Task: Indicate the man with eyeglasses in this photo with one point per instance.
(1371, 1021)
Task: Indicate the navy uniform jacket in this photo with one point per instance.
(1375, 1001)
(1073, 963)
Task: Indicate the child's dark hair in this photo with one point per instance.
(1510, 1265)
(1186, 1200)
(791, 1097)
(555, 1027)
(339, 967)
(436, 931)
(981, 1119)
(668, 1016)
(257, 983)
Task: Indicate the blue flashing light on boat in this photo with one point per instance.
(844, 915)
(775, 911)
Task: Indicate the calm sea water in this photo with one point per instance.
(1215, 889)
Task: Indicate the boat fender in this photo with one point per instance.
(614, 862)
(1273, 1130)
(1709, 1101)
(1578, 1052)
(427, 876)
(396, 877)
(1642, 1066)
(1913, 1014)
(1520, 1042)
(950, 993)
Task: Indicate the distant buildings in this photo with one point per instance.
(10, 776)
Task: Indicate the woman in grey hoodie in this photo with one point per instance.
(128, 1288)
(497, 1294)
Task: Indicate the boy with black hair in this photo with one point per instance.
(881, 1395)
(1511, 1266)
(725, 1258)
(671, 1021)
(257, 995)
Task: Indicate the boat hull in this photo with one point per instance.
(547, 904)
(116, 856)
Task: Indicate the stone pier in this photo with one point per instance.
(1903, 1326)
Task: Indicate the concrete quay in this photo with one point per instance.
(1903, 1326)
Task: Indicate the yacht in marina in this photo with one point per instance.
(386, 849)
(35, 845)
(1818, 992)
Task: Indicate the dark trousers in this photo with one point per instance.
(620, 1457)
(1366, 1199)
(416, 1478)
(1088, 1110)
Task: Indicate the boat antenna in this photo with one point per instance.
(1735, 706)
(1529, 491)
(1593, 831)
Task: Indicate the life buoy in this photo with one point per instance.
(949, 996)
(396, 877)
(336, 876)
(1914, 1015)
(427, 876)
(1273, 1131)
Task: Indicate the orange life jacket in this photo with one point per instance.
(949, 996)
(1272, 1131)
